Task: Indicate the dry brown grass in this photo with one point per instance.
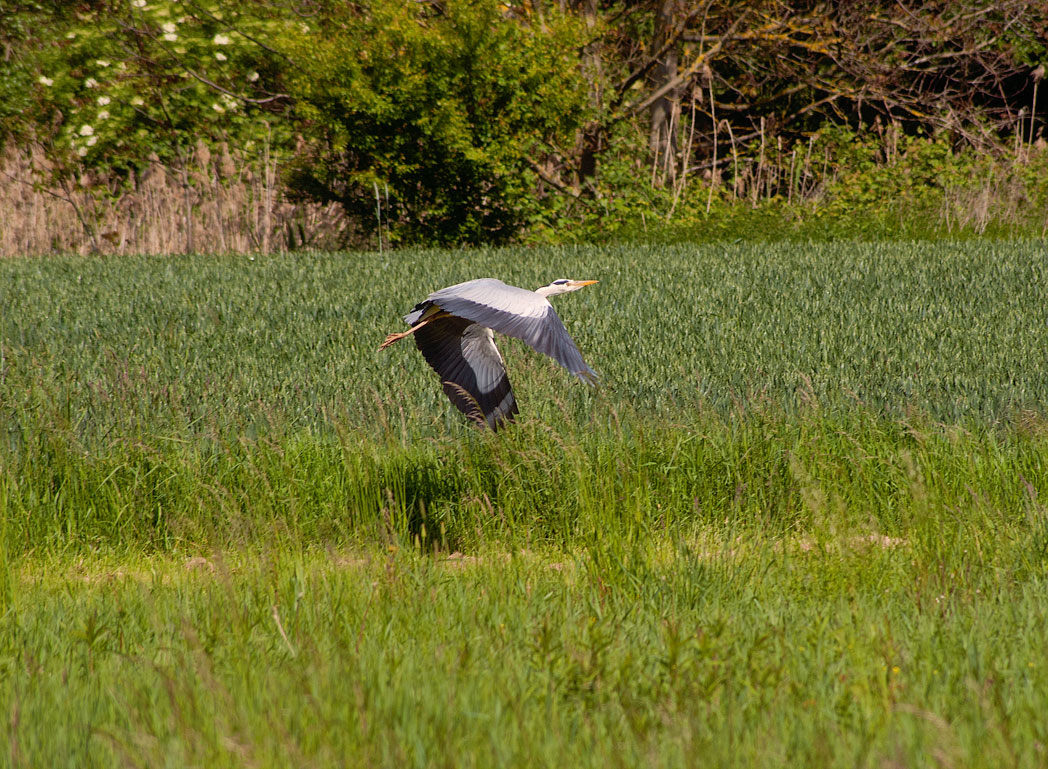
(221, 202)
(1004, 193)
(213, 204)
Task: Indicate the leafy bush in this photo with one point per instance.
(442, 109)
(845, 184)
(119, 81)
(468, 120)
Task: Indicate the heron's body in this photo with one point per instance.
(453, 330)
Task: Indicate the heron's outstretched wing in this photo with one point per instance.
(471, 368)
(512, 311)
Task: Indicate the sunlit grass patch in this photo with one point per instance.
(784, 651)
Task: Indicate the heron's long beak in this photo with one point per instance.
(581, 283)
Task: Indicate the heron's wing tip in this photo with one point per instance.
(589, 376)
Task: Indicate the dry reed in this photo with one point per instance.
(213, 203)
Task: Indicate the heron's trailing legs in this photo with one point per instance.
(396, 337)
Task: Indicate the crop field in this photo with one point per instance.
(801, 522)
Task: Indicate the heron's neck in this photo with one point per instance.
(551, 290)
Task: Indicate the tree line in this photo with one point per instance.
(470, 121)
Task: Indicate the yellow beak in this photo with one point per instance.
(581, 283)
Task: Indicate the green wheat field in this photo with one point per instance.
(802, 521)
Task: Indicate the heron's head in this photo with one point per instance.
(563, 286)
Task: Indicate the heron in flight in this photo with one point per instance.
(453, 330)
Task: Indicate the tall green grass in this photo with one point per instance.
(198, 345)
(536, 485)
(194, 402)
(724, 649)
(800, 523)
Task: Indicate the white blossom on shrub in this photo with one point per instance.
(221, 39)
(103, 101)
(44, 80)
(220, 56)
(86, 130)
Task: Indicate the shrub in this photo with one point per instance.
(442, 110)
(108, 85)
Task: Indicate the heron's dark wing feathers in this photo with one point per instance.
(470, 367)
(514, 312)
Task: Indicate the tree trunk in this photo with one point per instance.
(662, 138)
(592, 134)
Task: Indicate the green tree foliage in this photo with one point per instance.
(443, 109)
(450, 121)
(107, 85)
(20, 25)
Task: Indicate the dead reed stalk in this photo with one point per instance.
(212, 204)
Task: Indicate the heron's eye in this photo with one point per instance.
(559, 282)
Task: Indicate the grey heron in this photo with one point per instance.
(453, 331)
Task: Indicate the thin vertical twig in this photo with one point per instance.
(713, 170)
(385, 185)
(267, 192)
(669, 170)
(760, 167)
(806, 172)
(655, 165)
(378, 217)
(734, 160)
(776, 184)
(1033, 108)
(89, 228)
(793, 160)
(682, 182)
(187, 201)
(1017, 149)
